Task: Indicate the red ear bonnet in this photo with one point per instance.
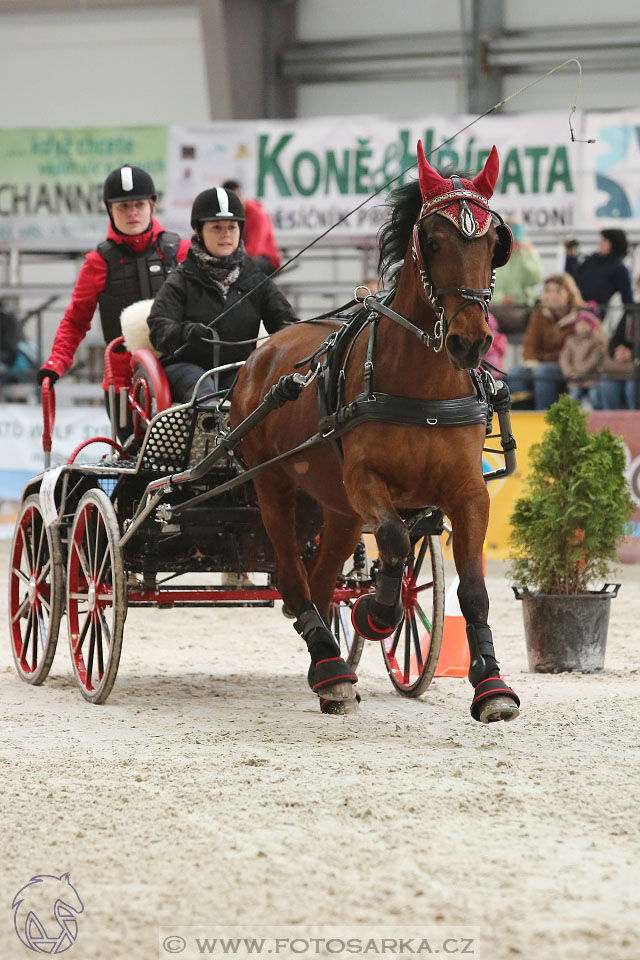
(464, 202)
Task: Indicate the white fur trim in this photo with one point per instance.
(135, 328)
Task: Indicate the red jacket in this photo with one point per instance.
(258, 236)
(77, 318)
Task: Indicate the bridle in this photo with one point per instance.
(467, 226)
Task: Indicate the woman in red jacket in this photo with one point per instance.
(131, 264)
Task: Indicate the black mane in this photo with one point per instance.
(394, 234)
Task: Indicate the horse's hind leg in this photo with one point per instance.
(333, 679)
(493, 699)
(375, 616)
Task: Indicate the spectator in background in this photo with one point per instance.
(602, 274)
(10, 335)
(550, 324)
(518, 281)
(581, 358)
(572, 257)
(498, 348)
(619, 386)
(258, 236)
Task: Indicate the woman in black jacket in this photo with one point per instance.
(199, 300)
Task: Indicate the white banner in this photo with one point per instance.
(22, 456)
(310, 173)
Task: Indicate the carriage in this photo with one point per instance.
(176, 498)
(94, 538)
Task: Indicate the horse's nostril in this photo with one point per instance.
(457, 346)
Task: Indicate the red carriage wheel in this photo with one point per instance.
(411, 652)
(96, 596)
(36, 592)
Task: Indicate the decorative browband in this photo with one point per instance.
(446, 198)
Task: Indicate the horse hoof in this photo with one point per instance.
(343, 690)
(338, 708)
(498, 708)
(289, 614)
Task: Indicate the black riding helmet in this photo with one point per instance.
(128, 183)
(216, 204)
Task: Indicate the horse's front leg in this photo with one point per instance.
(493, 699)
(376, 616)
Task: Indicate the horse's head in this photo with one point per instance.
(457, 243)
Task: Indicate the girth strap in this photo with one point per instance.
(406, 411)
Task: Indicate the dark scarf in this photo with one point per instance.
(223, 271)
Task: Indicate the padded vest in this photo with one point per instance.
(132, 277)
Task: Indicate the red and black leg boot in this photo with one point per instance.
(493, 700)
(329, 676)
(376, 615)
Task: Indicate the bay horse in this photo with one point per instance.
(451, 242)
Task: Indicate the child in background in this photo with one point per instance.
(581, 358)
(499, 345)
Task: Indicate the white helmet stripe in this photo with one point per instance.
(223, 202)
(126, 178)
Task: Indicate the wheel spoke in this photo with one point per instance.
(424, 546)
(42, 627)
(105, 626)
(83, 632)
(418, 609)
(27, 636)
(407, 651)
(92, 646)
(107, 554)
(95, 551)
(345, 624)
(42, 537)
(32, 538)
(45, 570)
(424, 586)
(416, 643)
(396, 638)
(83, 561)
(100, 636)
(34, 640)
(21, 610)
(21, 576)
(87, 533)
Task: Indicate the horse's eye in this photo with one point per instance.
(432, 245)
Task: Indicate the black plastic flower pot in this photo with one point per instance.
(566, 633)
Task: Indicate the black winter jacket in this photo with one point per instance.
(188, 296)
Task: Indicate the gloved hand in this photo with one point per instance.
(197, 332)
(46, 373)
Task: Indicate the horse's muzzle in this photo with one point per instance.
(466, 354)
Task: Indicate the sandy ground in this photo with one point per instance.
(209, 789)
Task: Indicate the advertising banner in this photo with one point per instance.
(21, 437)
(309, 174)
(609, 184)
(51, 180)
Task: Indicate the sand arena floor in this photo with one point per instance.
(209, 789)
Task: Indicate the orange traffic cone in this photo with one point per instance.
(454, 653)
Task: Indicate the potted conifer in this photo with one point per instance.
(564, 529)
